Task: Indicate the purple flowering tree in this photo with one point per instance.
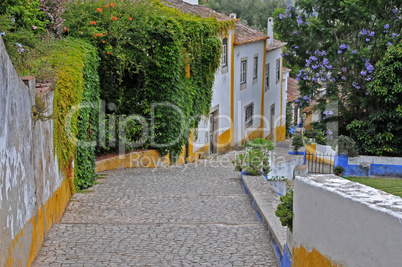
(334, 47)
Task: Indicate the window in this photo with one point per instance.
(255, 67)
(278, 70)
(249, 110)
(243, 71)
(267, 77)
(225, 53)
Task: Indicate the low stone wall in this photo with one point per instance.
(338, 222)
(285, 167)
(265, 200)
(33, 194)
(366, 166)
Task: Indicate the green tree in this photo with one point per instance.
(252, 12)
(379, 134)
(335, 45)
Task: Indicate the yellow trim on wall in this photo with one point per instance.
(263, 85)
(224, 142)
(145, 159)
(281, 88)
(280, 134)
(302, 257)
(259, 132)
(37, 227)
(232, 93)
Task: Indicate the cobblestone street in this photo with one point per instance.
(186, 215)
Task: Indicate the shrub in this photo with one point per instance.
(347, 146)
(254, 161)
(317, 135)
(339, 169)
(261, 143)
(299, 141)
(285, 210)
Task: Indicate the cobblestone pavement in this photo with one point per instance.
(186, 215)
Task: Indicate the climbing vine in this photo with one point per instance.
(144, 47)
(77, 81)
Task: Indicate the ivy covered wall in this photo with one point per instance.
(144, 48)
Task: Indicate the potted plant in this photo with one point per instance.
(339, 170)
(255, 161)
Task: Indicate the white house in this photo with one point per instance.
(249, 93)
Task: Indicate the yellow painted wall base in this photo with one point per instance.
(280, 133)
(225, 142)
(312, 149)
(146, 159)
(256, 134)
(303, 258)
(35, 230)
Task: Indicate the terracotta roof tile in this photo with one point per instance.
(275, 45)
(293, 90)
(245, 34)
(200, 10)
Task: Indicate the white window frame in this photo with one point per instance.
(243, 71)
(248, 120)
(255, 67)
(267, 71)
(225, 52)
(278, 70)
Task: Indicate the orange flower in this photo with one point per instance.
(130, 18)
(99, 10)
(66, 29)
(93, 22)
(98, 34)
(108, 53)
(111, 4)
(103, 41)
(106, 6)
(114, 18)
(106, 33)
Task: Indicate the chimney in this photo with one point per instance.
(270, 32)
(233, 15)
(191, 2)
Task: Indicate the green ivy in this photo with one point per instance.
(77, 81)
(88, 122)
(285, 210)
(144, 47)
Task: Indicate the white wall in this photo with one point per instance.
(348, 223)
(375, 160)
(29, 172)
(253, 92)
(221, 97)
(273, 95)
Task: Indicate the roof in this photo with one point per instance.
(275, 45)
(244, 34)
(293, 90)
(285, 70)
(200, 10)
